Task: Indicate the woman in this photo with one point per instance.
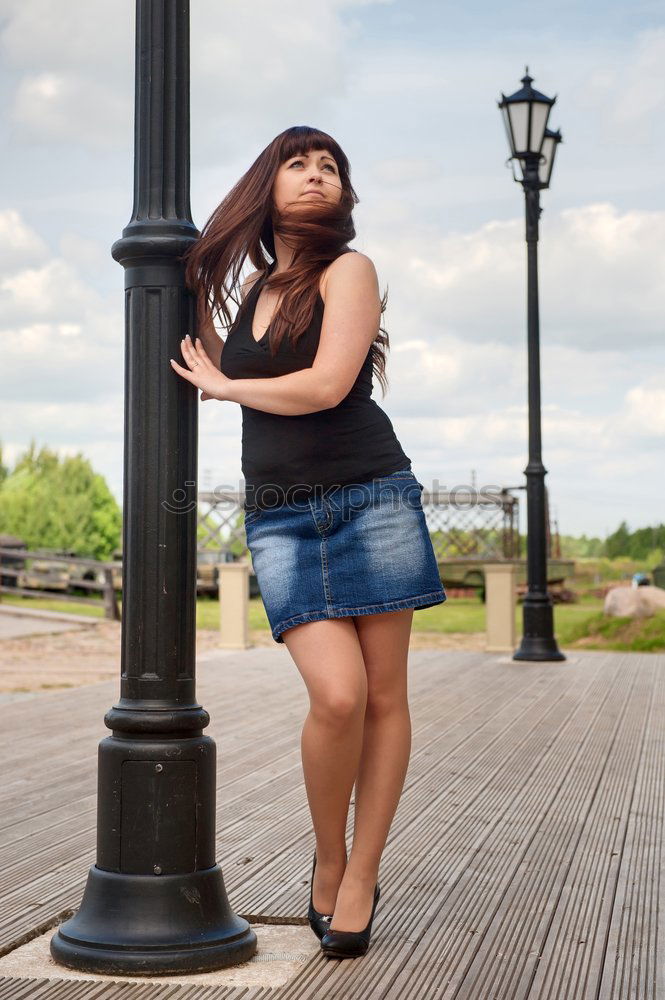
(333, 513)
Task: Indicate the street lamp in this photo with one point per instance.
(155, 900)
(532, 148)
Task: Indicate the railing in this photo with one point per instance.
(104, 569)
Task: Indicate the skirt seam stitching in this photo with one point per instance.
(365, 607)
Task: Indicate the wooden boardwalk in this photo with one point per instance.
(525, 859)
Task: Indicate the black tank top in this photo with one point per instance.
(351, 442)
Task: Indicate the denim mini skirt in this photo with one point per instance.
(357, 549)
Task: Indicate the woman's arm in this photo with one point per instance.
(290, 395)
(304, 391)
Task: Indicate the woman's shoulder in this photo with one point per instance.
(349, 259)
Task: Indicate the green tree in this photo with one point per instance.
(4, 471)
(645, 540)
(582, 547)
(618, 543)
(639, 545)
(54, 502)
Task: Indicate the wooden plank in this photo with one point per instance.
(633, 964)
(438, 897)
(531, 820)
(32, 895)
(440, 733)
(86, 989)
(548, 934)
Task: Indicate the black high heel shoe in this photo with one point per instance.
(349, 944)
(319, 922)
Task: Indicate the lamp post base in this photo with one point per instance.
(142, 925)
(538, 648)
(538, 642)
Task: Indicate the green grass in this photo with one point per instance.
(581, 625)
(207, 609)
(53, 604)
(637, 635)
(207, 614)
(462, 614)
(570, 620)
(457, 614)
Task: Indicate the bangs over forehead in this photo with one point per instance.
(304, 140)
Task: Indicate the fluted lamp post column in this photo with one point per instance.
(155, 900)
(532, 147)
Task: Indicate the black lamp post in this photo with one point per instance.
(155, 900)
(533, 147)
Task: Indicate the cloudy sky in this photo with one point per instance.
(409, 90)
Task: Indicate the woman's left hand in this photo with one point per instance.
(201, 371)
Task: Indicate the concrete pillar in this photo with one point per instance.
(234, 605)
(500, 603)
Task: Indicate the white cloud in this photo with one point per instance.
(20, 245)
(68, 107)
(629, 92)
(75, 71)
(62, 340)
(40, 36)
(456, 309)
(602, 279)
(644, 409)
(54, 292)
(457, 401)
(90, 257)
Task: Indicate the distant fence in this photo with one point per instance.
(90, 574)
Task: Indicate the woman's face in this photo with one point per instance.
(299, 178)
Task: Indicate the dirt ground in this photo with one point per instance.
(88, 654)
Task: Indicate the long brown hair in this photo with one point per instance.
(243, 225)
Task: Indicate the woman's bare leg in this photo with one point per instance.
(384, 640)
(329, 657)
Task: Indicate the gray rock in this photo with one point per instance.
(634, 602)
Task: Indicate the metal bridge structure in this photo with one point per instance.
(463, 523)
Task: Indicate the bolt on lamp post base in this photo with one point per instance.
(142, 925)
(538, 642)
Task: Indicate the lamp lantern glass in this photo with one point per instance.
(525, 115)
(548, 152)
